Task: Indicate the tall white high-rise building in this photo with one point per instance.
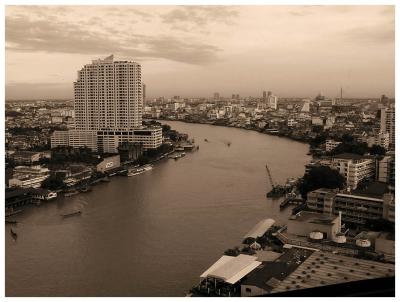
(273, 101)
(108, 108)
(108, 95)
(388, 124)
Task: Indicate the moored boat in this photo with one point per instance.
(71, 214)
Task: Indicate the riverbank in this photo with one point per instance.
(271, 133)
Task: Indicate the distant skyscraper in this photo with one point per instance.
(216, 96)
(233, 96)
(272, 101)
(264, 96)
(306, 106)
(108, 95)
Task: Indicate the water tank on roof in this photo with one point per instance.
(316, 235)
(362, 242)
(339, 238)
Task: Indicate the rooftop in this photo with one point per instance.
(311, 217)
(373, 189)
(260, 228)
(231, 269)
(323, 268)
(270, 273)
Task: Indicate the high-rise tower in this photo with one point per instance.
(108, 109)
(108, 95)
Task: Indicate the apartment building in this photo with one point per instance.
(354, 168)
(108, 108)
(355, 208)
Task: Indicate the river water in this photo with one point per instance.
(155, 233)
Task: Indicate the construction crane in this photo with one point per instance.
(277, 190)
(269, 176)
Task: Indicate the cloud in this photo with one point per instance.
(373, 35)
(23, 34)
(200, 15)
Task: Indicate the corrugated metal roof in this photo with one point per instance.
(232, 269)
(260, 228)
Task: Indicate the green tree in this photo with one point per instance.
(320, 177)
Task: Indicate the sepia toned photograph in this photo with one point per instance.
(199, 150)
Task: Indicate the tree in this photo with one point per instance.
(143, 160)
(166, 128)
(320, 177)
(377, 150)
(351, 147)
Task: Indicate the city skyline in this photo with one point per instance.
(195, 51)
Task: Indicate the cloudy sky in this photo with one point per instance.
(198, 50)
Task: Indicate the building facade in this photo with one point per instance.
(28, 176)
(354, 208)
(388, 124)
(108, 108)
(354, 168)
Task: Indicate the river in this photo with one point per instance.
(155, 233)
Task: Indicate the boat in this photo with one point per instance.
(13, 233)
(66, 215)
(206, 140)
(277, 191)
(182, 154)
(85, 189)
(147, 167)
(229, 144)
(139, 170)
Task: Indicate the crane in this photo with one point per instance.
(270, 176)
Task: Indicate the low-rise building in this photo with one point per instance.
(28, 176)
(107, 141)
(305, 223)
(354, 168)
(386, 170)
(331, 144)
(26, 157)
(354, 208)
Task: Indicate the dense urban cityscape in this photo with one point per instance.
(159, 191)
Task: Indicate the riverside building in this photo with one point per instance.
(354, 208)
(354, 168)
(108, 103)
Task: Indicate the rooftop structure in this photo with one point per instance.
(231, 269)
(355, 208)
(323, 268)
(260, 229)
